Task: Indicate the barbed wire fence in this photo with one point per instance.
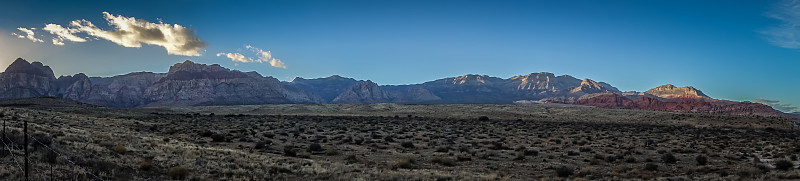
(10, 139)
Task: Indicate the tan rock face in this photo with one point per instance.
(363, 92)
(590, 87)
(670, 91)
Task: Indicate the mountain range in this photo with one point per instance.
(192, 84)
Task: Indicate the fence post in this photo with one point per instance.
(25, 133)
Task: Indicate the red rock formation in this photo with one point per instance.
(701, 105)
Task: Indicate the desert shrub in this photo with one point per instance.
(520, 155)
(611, 158)
(630, 160)
(483, 118)
(784, 165)
(443, 149)
(146, 164)
(350, 159)
(315, 147)
(531, 152)
(669, 158)
(289, 151)
(332, 152)
(388, 139)
(701, 160)
(463, 157)
(444, 161)
(565, 171)
(261, 145)
(217, 138)
(120, 149)
(650, 167)
(206, 133)
(407, 163)
(178, 173)
(407, 144)
(572, 153)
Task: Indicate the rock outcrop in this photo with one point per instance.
(680, 104)
(363, 92)
(188, 84)
(589, 86)
(191, 84)
(22, 79)
(670, 91)
(327, 88)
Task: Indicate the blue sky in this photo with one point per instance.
(737, 50)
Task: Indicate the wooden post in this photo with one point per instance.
(25, 134)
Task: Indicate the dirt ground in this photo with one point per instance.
(392, 142)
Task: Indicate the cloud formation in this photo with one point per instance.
(132, 32)
(786, 34)
(236, 57)
(262, 57)
(127, 32)
(777, 105)
(62, 34)
(29, 34)
(266, 56)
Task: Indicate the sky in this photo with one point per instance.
(736, 50)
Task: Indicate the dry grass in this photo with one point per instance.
(368, 142)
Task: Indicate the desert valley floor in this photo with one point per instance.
(392, 142)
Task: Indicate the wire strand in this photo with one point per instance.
(65, 158)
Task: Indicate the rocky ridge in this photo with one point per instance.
(192, 84)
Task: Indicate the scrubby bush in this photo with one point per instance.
(520, 155)
(784, 165)
(650, 167)
(407, 163)
(206, 133)
(350, 159)
(178, 173)
(407, 144)
(630, 160)
(218, 138)
(315, 147)
(289, 151)
(261, 145)
(701, 160)
(565, 171)
(669, 158)
(444, 161)
(146, 164)
(120, 149)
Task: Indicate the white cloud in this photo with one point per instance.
(132, 32)
(62, 34)
(236, 57)
(262, 57)
(777, 105)
(786, 34)
(266, 56)
(29, 34)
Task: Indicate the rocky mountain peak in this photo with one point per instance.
(671, 91)
(471, 79)
(363, 92)
(36, 68)
(589, 86)
(190, 66)
(544, 81)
